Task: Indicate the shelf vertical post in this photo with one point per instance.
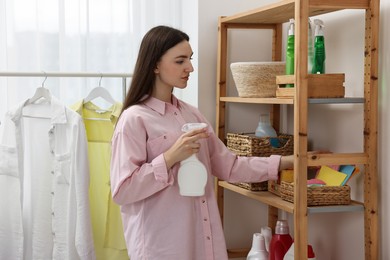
(370, 131)
(277, 37)
(221, 92)
(300, 129)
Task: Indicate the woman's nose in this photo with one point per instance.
(190, 68)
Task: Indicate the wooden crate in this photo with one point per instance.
(319, 86)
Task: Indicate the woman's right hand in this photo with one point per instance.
(185, 146)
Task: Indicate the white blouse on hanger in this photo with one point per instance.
(44, 181)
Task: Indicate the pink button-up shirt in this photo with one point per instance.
(159, 223)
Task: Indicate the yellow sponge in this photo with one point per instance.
(287, 175)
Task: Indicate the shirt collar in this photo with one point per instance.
(58, 115)
(159, 105)
(115, 108)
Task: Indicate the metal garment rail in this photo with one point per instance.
(124, 76)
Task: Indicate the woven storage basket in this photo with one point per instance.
(247, 144)
(257, 79)
(319, 196)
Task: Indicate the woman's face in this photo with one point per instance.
(174, 68)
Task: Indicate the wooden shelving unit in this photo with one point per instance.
(272, 17)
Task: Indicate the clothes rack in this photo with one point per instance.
(124, 76)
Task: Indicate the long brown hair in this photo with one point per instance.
(156, 42)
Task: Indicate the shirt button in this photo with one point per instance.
(208, 238)
(53, 234)
(52, 193)
(52, 172)
(205, 219)
(175, 114)
(52, 151)
(52, 214)
(203, 201)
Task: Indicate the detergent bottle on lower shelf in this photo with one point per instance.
(281, 241)
(258, 250)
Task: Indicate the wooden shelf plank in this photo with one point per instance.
(354, 206)
(346, 100)
(337, 159)
(290, 101)
(262, 196)
(275, 201)
(258, 100)
(282, 11)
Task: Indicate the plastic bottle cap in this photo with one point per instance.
(282, 227)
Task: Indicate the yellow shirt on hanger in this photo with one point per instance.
(105, 214)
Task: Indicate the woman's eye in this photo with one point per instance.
(179, 62)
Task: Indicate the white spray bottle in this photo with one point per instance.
(192, 175)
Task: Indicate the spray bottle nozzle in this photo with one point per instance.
(319, 25)
(319, 22)
(291, 27)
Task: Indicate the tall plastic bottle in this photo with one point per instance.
(258, 250)
(281, 241)
(319, 48)
(290, 51)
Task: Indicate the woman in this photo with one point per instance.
(147, 147)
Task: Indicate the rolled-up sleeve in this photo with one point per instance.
(230, 167)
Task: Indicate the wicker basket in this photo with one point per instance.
(257, 79)
(319, 196)
(247, 144)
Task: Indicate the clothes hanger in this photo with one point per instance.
(100, 92)
(40, 92)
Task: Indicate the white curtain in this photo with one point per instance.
(74, 36)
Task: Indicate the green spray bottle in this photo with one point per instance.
(310, 47)
(319, 48)
(290, 52)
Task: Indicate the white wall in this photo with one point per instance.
(384, 126)
(344, 41)
(190, 19)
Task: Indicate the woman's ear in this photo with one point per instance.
(156, 69)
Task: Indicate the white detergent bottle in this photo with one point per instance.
(192, 175)
(267, 234)
(258, 250)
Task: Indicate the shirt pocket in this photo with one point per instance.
(8, 161)
(160, 144)
(62, 169)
